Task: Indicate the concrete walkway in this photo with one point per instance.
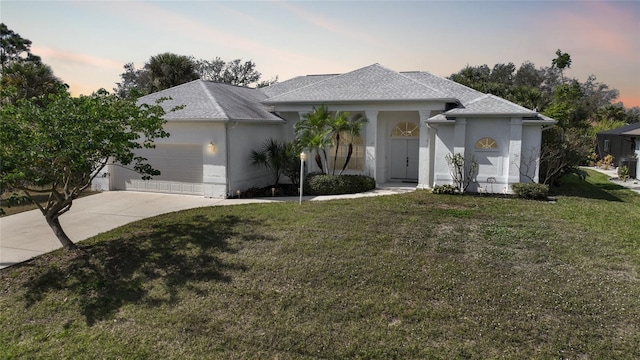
(633, 184)
(27, 235)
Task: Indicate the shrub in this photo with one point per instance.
(319, 184)
(444, 189)
(606, 162)
(623, 172)
(531, 191)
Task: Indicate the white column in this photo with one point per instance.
(424, 153)
(371, 145)
(515, 151)
(460, 135)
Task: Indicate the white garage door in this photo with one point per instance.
(180, 167)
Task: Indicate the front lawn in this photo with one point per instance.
(411, 276)
(12, 207)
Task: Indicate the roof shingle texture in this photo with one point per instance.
(623, 130)
(371, 83)
(491, 104)
(206, 100)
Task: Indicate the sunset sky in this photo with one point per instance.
(88, 42)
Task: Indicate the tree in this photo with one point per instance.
(563, 61)
(319, 130)
(166, 70)
(338, 125)
(135, 82)
(352, 128)
(313, 132)
(14, 48)
(234, 72)
(29, 80)
(279, 158)
(633, 115)
(462, 170)
(59, 148)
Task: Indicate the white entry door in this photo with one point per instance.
(404, 159)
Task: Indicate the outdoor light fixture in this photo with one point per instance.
(213, 148)
(303, 157)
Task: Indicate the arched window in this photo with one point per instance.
(486, 143)
(405, 129)
(356, 162)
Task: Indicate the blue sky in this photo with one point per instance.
(87, 42)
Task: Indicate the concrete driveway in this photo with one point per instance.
(27, 235)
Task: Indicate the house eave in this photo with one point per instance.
(260, 121)
(360, 101)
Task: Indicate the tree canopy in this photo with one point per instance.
(166, 70)
(22, 70)
(58, 146)
(320, 129)
(14, 48)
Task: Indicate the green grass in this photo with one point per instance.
(10, 209)
(409, 276)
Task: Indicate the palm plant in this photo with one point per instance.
(313, 133)
(277, 157)
(353, 128)
(339, 124)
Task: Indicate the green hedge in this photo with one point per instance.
(444, 189)
(531, 191)
(318, 184)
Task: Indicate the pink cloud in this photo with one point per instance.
(599, 26)
(323, 23)
(630, 101)
(157, 17)
(51, 54)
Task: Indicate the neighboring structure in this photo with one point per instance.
(414, 120)
(623, 144)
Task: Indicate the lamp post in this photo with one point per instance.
(303, 157)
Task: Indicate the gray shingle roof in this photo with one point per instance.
(292, 84)
(491, 104)
(371, 83)
(463, 93)
(622, 130)
(205, 100)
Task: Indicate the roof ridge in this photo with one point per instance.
(213, 100)
(306, 86)
(423, 85)
(510, 102)
(330, 77)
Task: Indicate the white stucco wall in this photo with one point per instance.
(492, 163)
(497, 168)
(243, 138)
(530, 158)
(444, 134)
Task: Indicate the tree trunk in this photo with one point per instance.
(54, 223)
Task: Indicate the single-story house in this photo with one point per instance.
(622, 143)
(414, 119)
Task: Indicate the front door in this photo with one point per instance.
(404, 159)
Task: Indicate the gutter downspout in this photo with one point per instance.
(226, 165)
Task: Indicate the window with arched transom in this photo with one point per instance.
(405, 129)
(486, 143)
